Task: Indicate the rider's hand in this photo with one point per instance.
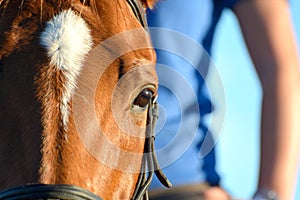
(215, 193)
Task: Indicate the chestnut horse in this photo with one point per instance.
(77, 86)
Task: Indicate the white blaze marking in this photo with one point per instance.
(67, 40)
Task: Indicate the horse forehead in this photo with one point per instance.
(68, 38)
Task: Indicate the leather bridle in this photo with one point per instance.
(150, 163)
(42, 191)
(139, 12)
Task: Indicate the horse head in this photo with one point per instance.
(77, 88)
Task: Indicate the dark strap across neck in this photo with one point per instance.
(44, 192)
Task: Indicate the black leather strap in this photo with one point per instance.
(149, 158)
(138, 11)
(43, 192)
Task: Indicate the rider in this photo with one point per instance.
(269, 36)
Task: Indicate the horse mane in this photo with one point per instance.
(149, 3)
(146, 3)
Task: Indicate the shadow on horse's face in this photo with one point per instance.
(77, 79)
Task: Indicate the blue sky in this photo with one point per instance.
(238, 144)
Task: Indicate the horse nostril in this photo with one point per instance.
(143, 99)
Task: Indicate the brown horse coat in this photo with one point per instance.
(39, 139)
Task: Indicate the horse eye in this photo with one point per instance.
(143, 99)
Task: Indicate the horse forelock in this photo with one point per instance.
(91, 3)
(21, 3)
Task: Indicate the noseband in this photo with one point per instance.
(70, 192)
(43, 192)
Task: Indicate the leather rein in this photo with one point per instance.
(150, 161)
(71, 192)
